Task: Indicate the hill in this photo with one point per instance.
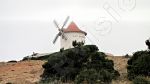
(28, 72)
(24, 72)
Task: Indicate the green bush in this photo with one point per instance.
(139, 64)
(147, 42)
(77, 44)
(79, 63)
(91, 76)
(140, 80)
(127, 56)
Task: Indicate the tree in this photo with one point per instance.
(77, 44)
(78, 64)
(140, 80)
(139, 64)
(61, 50)
(147, 42)
(74, 43)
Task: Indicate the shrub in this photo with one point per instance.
(139, 64)
(90, 76)
(140, 80)
(12, 61)
(79, 64)
(77, 44)
(62, 49)
(127, 56)
(147, 42)
(91, 48)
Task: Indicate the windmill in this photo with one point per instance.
(60, 29)
(69, 34)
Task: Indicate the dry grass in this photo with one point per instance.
(25, 72)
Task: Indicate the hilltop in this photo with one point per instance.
(28, 72)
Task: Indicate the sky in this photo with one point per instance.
(116, 26)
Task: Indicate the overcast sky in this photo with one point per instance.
(117, 26)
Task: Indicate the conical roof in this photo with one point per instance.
(73, 28)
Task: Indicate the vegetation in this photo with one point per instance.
(12, 61)
(139, 64)
(79, 64)
(77, 44)
(148, 43)
(127, 56)
(140, 80)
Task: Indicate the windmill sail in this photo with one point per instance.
(61, 32)
(56, 37)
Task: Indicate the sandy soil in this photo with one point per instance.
(25, 72)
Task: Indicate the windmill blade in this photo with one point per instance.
(63, 36)
(65, 22)
(56, 37)
(56, 24)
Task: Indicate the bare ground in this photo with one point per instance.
(120, 64)
(25, 72)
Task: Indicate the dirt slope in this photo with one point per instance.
(26, 72)
(120, 64)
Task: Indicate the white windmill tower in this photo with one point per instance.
(70, 34)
